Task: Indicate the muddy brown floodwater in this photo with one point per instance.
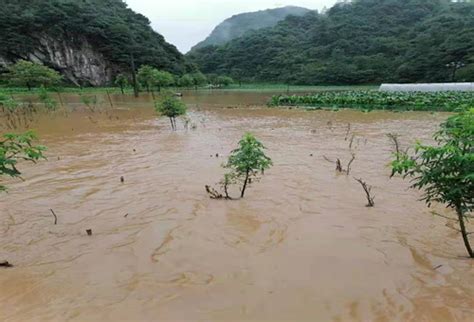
(301, 246)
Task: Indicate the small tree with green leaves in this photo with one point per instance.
(16, 147)
(171, 106)
(199, 79)
(25, 73)
(446, 172)
(49, 103)
(248, 162)
(186, 81)
(163, 79)
(147, 77)
(122, 81)
(224, 81)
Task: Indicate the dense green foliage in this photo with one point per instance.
(445, 172)
(15, 147)
(122, 81)
(247, 162)
(366, 41)
(416, 101)
(238, 25)
(108, 25)
(150, 78)
(170, 106)
(28, 74)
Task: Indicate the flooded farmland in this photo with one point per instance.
(301, 246)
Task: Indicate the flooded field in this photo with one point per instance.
(301, 246)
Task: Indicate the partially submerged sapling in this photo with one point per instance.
(171, 106)
(368, 192)
(445, 171)
(247, 164)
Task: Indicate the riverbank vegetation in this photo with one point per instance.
(413, 101)
(16, 147)
(445, 172)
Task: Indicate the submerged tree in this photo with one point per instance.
(49, 103)
(170, 106)
(163, 79)
(248, 162)
(446, 172)
(122, 81)
(25, 73)
(15, 147)
(199, 79)
(186, 81)
(147, 77)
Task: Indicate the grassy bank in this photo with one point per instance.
(233, 87)
(414, 101)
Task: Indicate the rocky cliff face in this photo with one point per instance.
(75, 59)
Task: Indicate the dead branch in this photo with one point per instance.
(339, 166)
(55, 217)
(445, 217)
(327, 159)
(338, 163)
(348, 131)
(352, 141)
(213, 193)
(395, 142)
(348, 169)
(367, 189)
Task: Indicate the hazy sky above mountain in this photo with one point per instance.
(184, 23)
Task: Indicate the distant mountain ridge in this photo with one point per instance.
(356, 42)
(238, 25)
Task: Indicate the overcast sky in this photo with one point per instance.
(184, 23)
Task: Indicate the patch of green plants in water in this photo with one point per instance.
(368, 100)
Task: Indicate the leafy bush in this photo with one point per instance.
(15, 147)
(170, 106)
(247, 162)
(445, 172)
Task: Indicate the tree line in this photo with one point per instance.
(30, 75)
(358, 42)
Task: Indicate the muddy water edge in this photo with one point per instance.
(302, 246)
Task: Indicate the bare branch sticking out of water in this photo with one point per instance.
(348, 169)
(55, 217)
(396, 143)
(348, 131)
(352, 141)
(338, 163)
(445, 217)
(213, 193)
(367, 190)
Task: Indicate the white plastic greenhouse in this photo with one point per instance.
(428, 87)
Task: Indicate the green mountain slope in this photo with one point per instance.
(88, 41)
(366, 41)
(238, 25)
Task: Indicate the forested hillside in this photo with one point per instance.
(240, 24)
(366, 41)
(88, 41)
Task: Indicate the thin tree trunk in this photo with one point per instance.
(121, 88)
(172, 124)
(60, 100)
(134, 75)
(245, 184)
(464, 232)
